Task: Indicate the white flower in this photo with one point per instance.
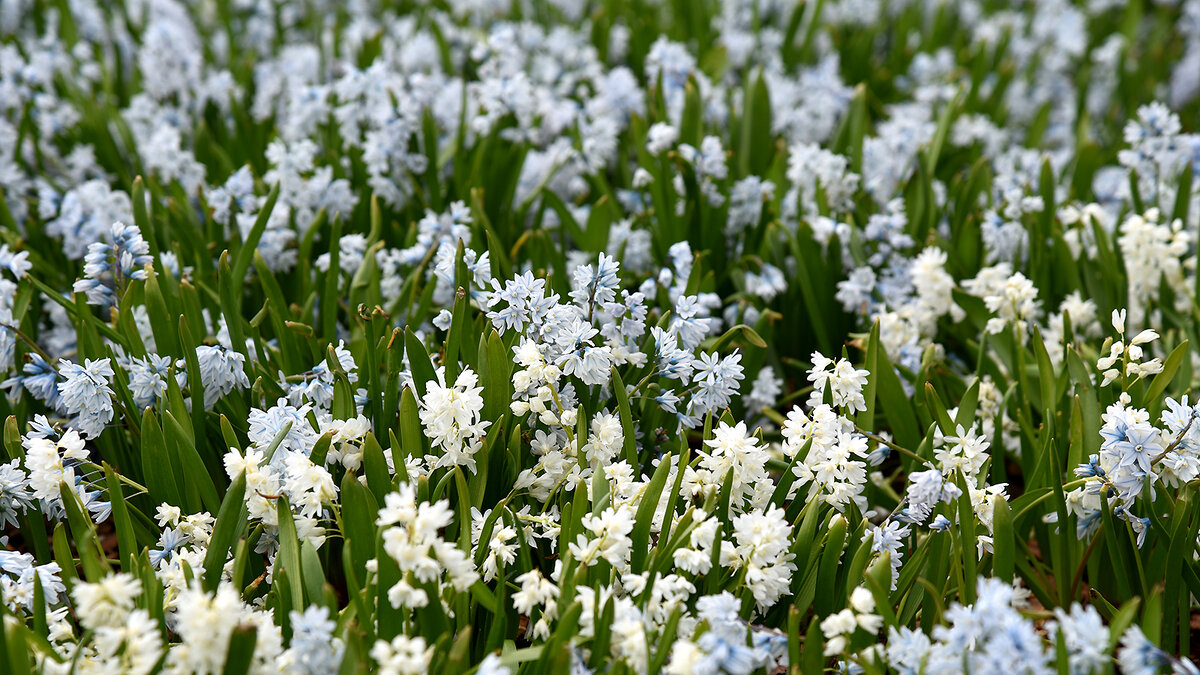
(605, 441)
(1085, 636)
(696, 558)
(661, 137)
(402, 656)
(845, 382)
(491, 665)
(451, 418)
(610, 539)
(536, 591)
(106, 602)
(309, 487)
(888, 539)
(204, 624)
(835, 463)
(732, 450)
(1148, 335)
(762, 551)
(1154, 254)
(966, 452)
(1015, 302)
(265, 425)
(501, 547)
(411, 537)
(50, 462)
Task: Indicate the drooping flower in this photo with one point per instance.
(86, 394)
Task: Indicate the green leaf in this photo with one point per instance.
(1046, 377)
(418, 362)
(454, 337)
(288, 557)
(320, 450)
(231, 305)
(941, 416)
(141, 217)
(375, 467)
(79, 312)
(878, 580)
(195, 383)
(158, 465)
(199, 487)
(495, 375)
(629, 442)
(967, 405)
(83, 534)
(757, 145)
(866, 418)
(240, 656)
(12, 439)
(896, 405)
(743, 331)
(411, 438)
(333, 277)
(359, 510)
(313, 575)
(388, 620)
(1003, 545)
(231, 520)
(15, 648)
(814, 647)
(1162, 380)
(245, 254)
(644, 518)
(966, 542)
(290, 352)
(1121, 621)
(827, 569)
(126, 539)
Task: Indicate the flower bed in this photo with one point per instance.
(536, 336)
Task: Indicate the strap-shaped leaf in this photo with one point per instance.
(231, 521)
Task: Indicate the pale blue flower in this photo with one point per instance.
(314, 649)
(673, 363)
(595, 286)
(112, 264)
(221, 371)
(86, 394)
(15, 495)
(1139, 656)
(148, 378)
(525, 302)
(170, 540)
(1085, 636)
(717, 380)
(40, 380)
